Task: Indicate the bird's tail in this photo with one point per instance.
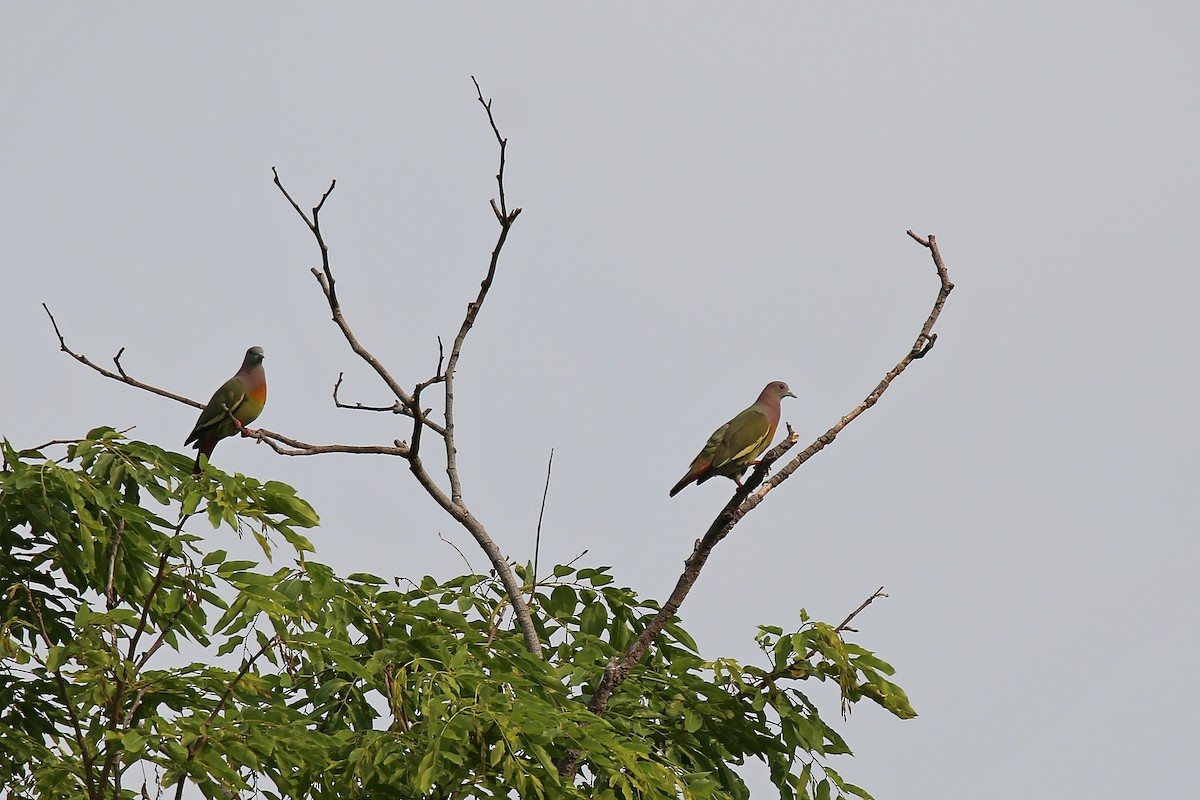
(686, 479)
(204, 447)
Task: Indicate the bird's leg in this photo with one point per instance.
(249, 433)
(237, 423)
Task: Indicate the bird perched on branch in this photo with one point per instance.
(235, 405)
(735, 445)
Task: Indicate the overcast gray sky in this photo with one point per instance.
(714, 196)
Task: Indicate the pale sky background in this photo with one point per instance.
(714, 196)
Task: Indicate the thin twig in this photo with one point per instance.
(287, 446)
(160, 578)
(792, 666)
(203, 737)
(502, 212)
(461, 554)
(134, 706)
(576, 558)
(844, 625)
(116, 376)
(537, 542)
(397, 407)
(284, 445)
(328, 284)
(394, 408)
(921, 347)
(112, 762)
(473, 526)
(162, 637)
(109, 591)
(30, 450)
(506, 220)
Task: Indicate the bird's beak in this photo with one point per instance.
(789, 394)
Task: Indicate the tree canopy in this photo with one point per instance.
(138, 654)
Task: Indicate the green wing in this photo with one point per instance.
(746, 436)
(214, 421)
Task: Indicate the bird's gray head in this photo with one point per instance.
(779, 389)
(254, 357)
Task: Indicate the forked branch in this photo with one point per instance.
(120, 374)
(284, 445)
(408, 402)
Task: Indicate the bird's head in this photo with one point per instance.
(254, 357)
(778, 390)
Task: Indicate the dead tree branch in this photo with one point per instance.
(120, 374)
(328, 285)
(396, 407)
(284, 445)
(747, 497)
(409, 403)
(537, 541)
(506, 219)
(844, 625)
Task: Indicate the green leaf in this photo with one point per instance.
(562, 601)
(132, 742)
(191, 501)
(55, 658)
(282, 499)
(592, 619)
(425, 771)
(682, 636)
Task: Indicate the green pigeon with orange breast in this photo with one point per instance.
(734, 446)
(235, 405)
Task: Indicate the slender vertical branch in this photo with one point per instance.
(328, 286)
(410, 402)
(89, 768)
(506, 219)
(160, 577)
(537, 542)
(203, 737)
(109, 591)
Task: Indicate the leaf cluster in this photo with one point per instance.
(136, 651)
